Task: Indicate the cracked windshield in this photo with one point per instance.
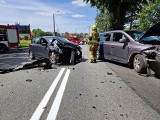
(79, 60)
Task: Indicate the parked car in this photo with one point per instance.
(133, 47)
(57, 49)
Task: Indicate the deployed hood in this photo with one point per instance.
(153, 31)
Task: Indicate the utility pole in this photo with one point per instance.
(54, 33)
(89, 29)
(54, 24)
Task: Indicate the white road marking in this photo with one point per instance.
(56, 104)
(37, 114)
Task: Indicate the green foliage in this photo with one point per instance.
(26, 37)
(118, 9)
(37, 32)
(48, 33)
(149, 15)
(103, 21)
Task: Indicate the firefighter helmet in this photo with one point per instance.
(94, 27)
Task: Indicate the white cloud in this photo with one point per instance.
(2, 2)
(79, 3)
(39, 14)
(78, 16)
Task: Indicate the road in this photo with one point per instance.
(85, 91)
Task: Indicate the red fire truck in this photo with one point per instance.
(75, 39)
(9, 37)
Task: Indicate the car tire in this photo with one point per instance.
(72, 58)
(52, 57)
(31, 56)
(140, 64)
(2, 48)
(100, 55)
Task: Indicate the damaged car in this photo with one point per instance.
(133, 47)
(59, 50)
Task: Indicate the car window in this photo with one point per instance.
(35, 40)
(105, 37)
(117, 37)
(42, 40)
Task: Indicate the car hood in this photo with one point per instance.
(68, 43)
(153, 31)
(144, 46)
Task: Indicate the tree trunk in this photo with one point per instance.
(118, 17)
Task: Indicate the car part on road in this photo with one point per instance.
(44, 62)
(140, 64)
(31, 55)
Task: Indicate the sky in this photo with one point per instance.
(73, 16)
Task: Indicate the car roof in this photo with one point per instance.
(120, 31)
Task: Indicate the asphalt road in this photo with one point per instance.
(85, 91)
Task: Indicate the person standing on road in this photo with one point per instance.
(93, 44)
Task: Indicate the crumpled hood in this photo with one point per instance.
(153, 31)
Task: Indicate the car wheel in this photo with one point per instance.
(2, 48)
(140, 64)
(52, 57)
(31, 56)
(100, 55)
(72, 59)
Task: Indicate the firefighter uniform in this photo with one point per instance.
(93, 44)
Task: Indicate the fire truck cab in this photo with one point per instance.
(9, 37)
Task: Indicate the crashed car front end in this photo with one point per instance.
(152, 56)
(67, 53)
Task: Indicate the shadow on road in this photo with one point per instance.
(152, 74)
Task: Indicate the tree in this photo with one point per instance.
(38, 32)
(103, 21)
(118, 9)
(149, 15)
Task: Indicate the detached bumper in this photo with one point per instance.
(154, 66)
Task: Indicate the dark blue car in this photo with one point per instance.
(57, 49)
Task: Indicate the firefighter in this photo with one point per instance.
(93, 44)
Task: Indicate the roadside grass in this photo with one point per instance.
(24, 43)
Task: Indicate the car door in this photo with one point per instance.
(43, 49)
(119, 51)
(105, 42)
(34, 46)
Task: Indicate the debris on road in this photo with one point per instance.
(45, 63)
(109, 73)
(28, 80)
(93, 107)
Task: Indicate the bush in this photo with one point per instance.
(26, 37)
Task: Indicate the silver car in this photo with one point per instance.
(133, 47)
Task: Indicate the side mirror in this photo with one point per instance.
(124, 40)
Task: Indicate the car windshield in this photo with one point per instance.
(136, 35)
(63, 39)
(49, 38)
(60, 39)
